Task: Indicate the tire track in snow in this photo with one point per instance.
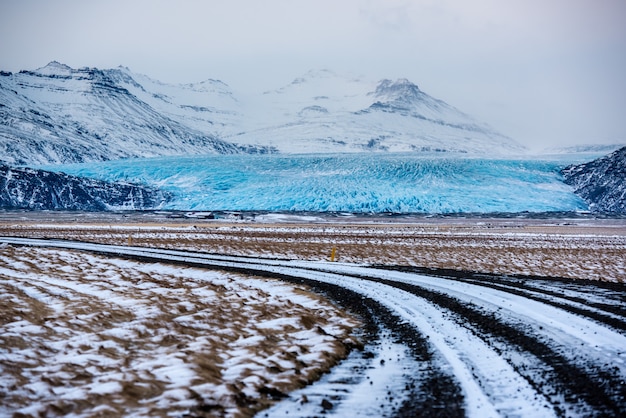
(490, 385)
(571, 387)
(609, 310)
(427, 386)
(574, 362)
(503, 365)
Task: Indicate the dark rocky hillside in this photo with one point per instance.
(26, 188)
(601, 183)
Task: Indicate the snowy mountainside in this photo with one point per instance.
(326, 112)
(601, 182)
(26, 188)
(208, 106)
(57, 114)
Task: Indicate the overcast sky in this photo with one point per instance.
(541, 71)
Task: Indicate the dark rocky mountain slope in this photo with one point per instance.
(601, 183)
(26, 188)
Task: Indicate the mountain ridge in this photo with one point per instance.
(57, 114)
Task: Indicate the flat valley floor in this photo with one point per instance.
(590, 249)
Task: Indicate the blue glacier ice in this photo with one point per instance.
(347, 183)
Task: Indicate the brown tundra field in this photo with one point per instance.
(94, 335)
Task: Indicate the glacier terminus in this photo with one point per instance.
(360, 183)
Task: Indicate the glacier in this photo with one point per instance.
(356, 183)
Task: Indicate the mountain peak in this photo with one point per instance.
(325, 83)
(210, 85)
(55, 68)
(401, 89)
(313, 75)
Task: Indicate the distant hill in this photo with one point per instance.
(601, 183)
(585, 149)
(25, 188)
(57, 114)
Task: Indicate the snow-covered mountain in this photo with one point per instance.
(601, 183)
(25, 188)
(57, 114)
(326, 112)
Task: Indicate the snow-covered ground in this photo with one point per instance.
(83, 334)
(469, 345)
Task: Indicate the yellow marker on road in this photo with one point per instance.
(333, 253)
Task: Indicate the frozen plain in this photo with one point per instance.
(490, 371)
